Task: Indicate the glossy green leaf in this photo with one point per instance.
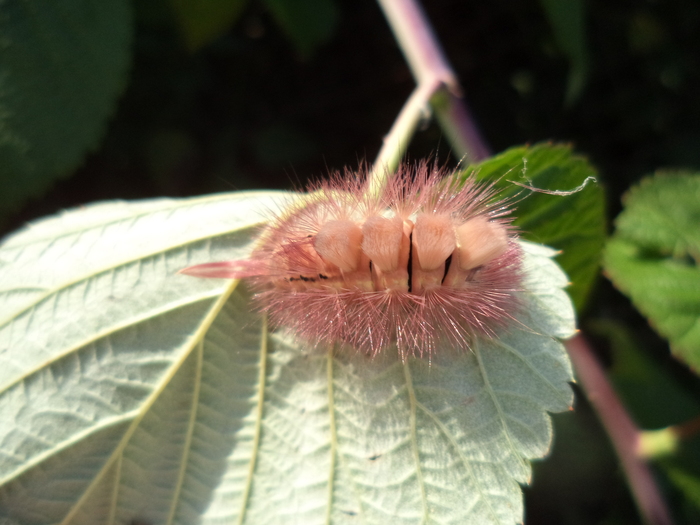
(574, 224)
(129, 393)
(307, 23)
(62, 67)
(203, 21)
(653, 257)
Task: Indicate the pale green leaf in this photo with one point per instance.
(62, 67)
(653, 257)
(129, 392)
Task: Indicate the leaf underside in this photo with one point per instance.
(129, 393)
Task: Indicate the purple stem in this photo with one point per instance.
(428, 63)
(623, 432)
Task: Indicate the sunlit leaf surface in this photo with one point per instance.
(132, 394)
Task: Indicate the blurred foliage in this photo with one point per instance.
(308, 23)
(568, 20)
(653, 396)
(62, 67)
(263, 102)
(203, 21)
(656, 398)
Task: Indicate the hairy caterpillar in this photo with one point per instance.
(431, 260)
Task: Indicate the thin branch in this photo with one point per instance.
(623, 432)
(429, 65)
(416, 109)
(456, 121)
(418, 42)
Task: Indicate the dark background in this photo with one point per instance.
(251, 111)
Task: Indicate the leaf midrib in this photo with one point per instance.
(413, 401)
(190, 431)
(496, 402)
(262, 382)
(151, 314)
(64, 445)
(148, 403)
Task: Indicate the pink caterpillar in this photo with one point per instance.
(430, 260)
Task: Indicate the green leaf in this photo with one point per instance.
(653, 257)
(568, 21)
(130, 392)
(203, 21)
(574, 224)
(307, 23)
(62, 67)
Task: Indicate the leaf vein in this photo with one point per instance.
(465, 461)
(201, 332)
(559, 393)
(190, 432)
(497, 404)
(262, 377)
(105, 334)
(413, 401)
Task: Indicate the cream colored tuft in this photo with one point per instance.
(381, 241)
(338, 242)
(433, 240)
(480, 241)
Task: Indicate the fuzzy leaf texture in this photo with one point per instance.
(129, 393)
(62, 67)
(653, 257)
(574, 224)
